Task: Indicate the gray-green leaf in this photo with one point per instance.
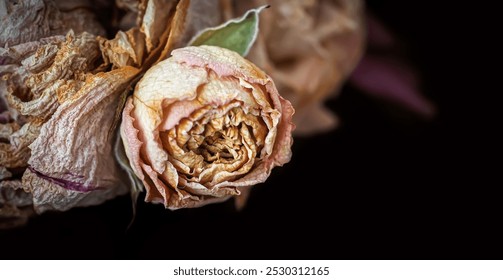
(236, 34)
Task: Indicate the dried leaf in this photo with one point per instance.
(237, 34)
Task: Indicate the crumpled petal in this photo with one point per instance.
(59, 96)
(14, 151)
(44, 19)
(50, 94)
(35, 87)
(67, 156)
(203, 124)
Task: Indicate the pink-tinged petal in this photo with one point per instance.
(170, 82)
(156, 184)
(284, 140)
(224, 63)
(130, 139)
(177, 111)
(392, 81)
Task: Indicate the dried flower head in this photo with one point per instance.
(204, 124)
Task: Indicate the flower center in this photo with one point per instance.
(224, 140)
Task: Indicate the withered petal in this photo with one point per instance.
(65, 145)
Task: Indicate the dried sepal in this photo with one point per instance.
(237, 34)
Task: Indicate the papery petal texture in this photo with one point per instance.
(61, 87)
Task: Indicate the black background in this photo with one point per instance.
(395, 186)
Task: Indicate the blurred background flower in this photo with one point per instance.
(309, 47)
(385, 73)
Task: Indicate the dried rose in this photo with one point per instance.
(58, 101)
(39, 70)
(204, 124)
(309, 47)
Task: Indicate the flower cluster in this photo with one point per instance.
(183, 99)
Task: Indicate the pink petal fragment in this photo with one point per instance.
(392, 81)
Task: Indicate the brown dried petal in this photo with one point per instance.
(44, 19)
(126, 49)
(12, 193)
(19, 64)
(152, 25)
(141, 46)
(14, 151)
(38, 85)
